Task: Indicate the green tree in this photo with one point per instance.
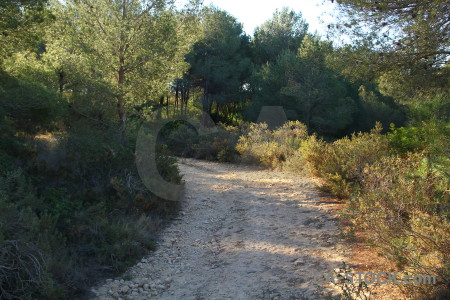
(220, 61)
(136, 47)
(405, 41)
(285, 31)
(307, 88)
(19, 20)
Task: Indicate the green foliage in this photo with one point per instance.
(428, 137)
(182, 139)
(285, 31)
(148, 29)
(179, 137)
(72, 206)
(398, 185)
(220, 62)
(19, 25)
(73, 209)
(218, 145)
(434, 107)
(271, 148)
(89, 157)
(378, 108)
(407, 213)
(307, 89)
(30, 105)
(407, 40)
(341, 163)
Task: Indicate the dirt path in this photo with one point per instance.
(244, 233)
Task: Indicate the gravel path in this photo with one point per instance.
(243, 233)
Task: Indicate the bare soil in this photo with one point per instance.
(243, 233)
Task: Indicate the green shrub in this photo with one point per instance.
(179, 137)
(431, 137)
(271, 148)
(217, 143)
(64, 227)
(398, 187)
(341, 163)
(406, 211)
(30, 105)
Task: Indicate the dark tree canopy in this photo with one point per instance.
(285, 31)
(220, 61)
(408, 37)
(18, 20)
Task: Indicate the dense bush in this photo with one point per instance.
(271, 148)
(405, 208)
(30, 105)
(430, 137)
(217, 143)
(397, 186)
(341, 163)
(73, 209)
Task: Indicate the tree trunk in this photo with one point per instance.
(207, 106)
(160, 108)
(167, 107)
(61, 82)
(120, 98)
(122, 74)
(177, 93)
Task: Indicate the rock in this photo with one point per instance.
(109, 280)
(115, 284)
(114, 287)
(116, 295)
(299, 262)
(168, 280)
(125, 289)
(146, 286)
(274, 278)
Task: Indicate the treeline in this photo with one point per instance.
(235, 76)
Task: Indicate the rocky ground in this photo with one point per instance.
(243, 233)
